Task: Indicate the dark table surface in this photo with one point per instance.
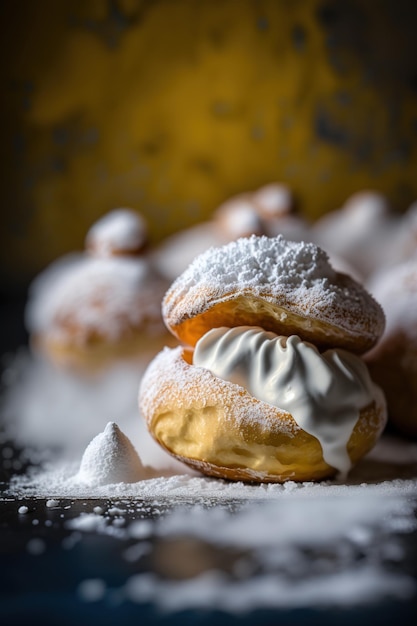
(44, 564)
(43, 569)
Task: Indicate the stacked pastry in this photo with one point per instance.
(269, 384)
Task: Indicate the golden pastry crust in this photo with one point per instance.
(247, 309)
(288, 288)
(218, 428)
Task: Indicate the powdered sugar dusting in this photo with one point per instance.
(239, 547)
(304, 554)
(249, 547)
(297, 275)
(258, 261)
(45, 409)
(389, 470)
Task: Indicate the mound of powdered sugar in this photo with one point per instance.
(256, 262)
(110, 458)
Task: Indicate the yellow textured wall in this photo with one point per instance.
(171, 106)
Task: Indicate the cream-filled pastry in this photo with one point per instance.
(272, 386)
(89, 310)
(324, 392)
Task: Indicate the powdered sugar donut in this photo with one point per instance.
(393, 362)
(269, 388)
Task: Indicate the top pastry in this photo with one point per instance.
(282, 286)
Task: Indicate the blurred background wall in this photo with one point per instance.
(172, 106)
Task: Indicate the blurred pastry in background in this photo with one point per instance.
(343, 266)
(403, 243)
(269, 210)
(357, 231)
(393, 361)
(276, 206)
(177, 251)
(362, 236)
(367, 234)
(90, 309)
(120, 232)
(274, 200)
(237, 218)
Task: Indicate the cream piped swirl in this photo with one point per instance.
(324, 392)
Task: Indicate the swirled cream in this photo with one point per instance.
(324, 392)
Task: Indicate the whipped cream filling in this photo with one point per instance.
(324, 392)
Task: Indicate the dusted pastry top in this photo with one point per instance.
(323, 392)
(84, 297)
(283, 286)
(121, 231)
